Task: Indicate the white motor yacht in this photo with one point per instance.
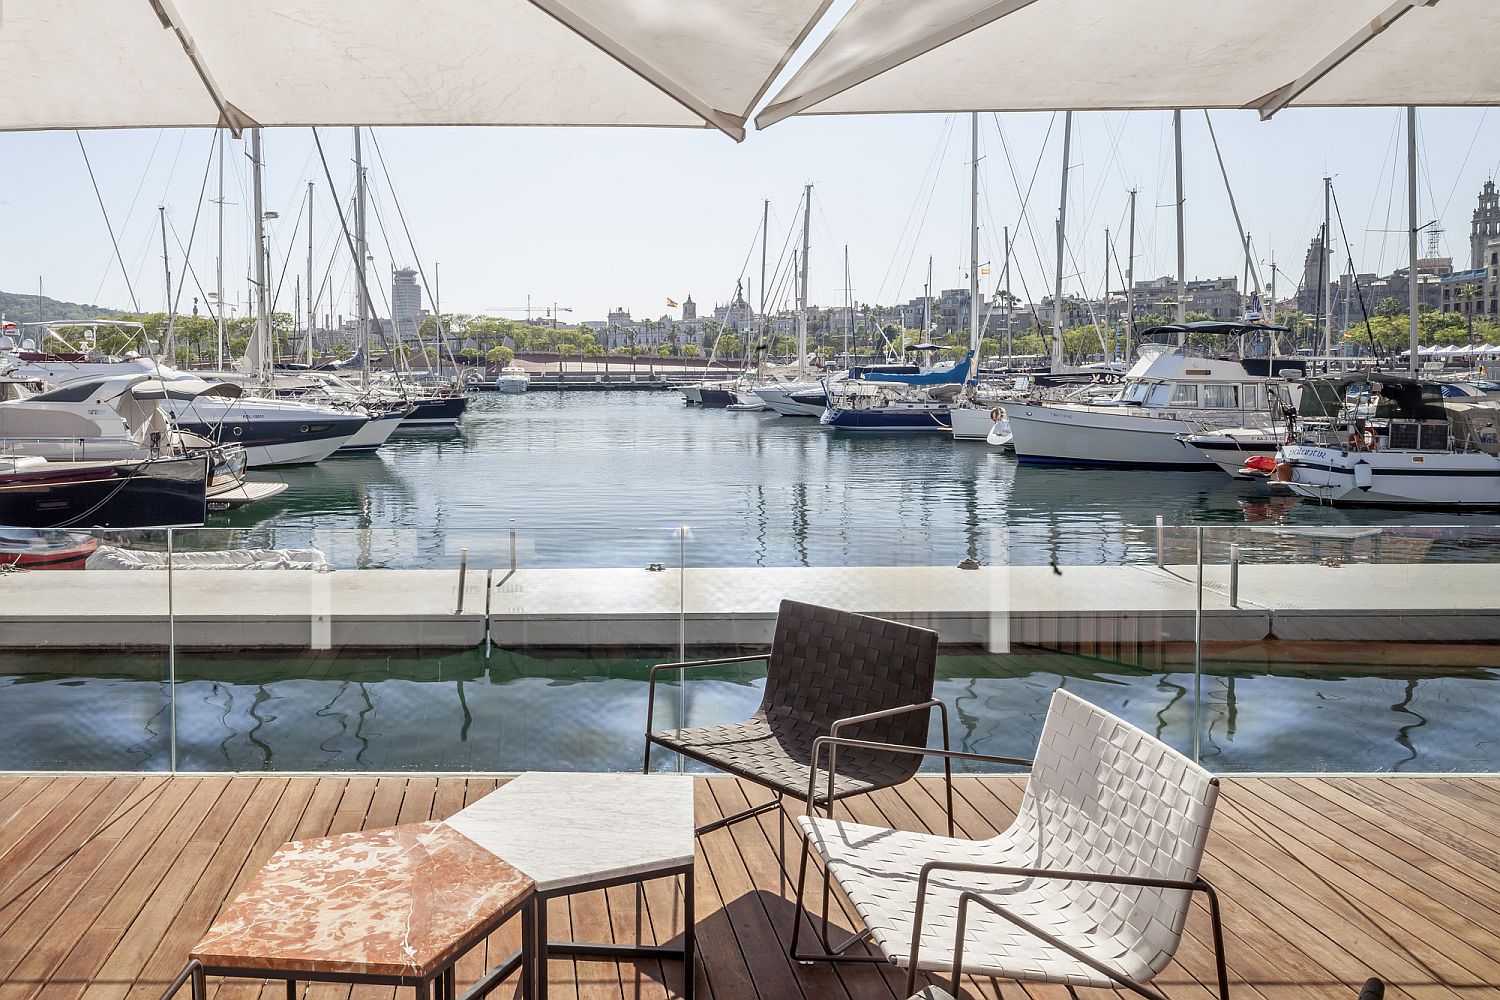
(512, 380)
(1168, 393)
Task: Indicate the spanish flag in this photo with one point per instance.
(671, 304)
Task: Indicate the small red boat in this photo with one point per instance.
(41, 548)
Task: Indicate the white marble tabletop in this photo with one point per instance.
(568, 829)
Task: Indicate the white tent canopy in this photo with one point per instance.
(133, 63)
(891, 56)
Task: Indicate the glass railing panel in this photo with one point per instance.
(384, 651)
(1351, 647)
(85, 667)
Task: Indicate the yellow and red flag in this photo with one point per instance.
(670, 303)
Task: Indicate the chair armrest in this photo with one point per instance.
(968, 896)
(844, 741)
(887, 713)
(684, 666)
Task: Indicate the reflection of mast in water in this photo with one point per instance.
(1403, 734)
(463, 703)
(799, 521)
(968, 722)
(762, 523)
(359, 727)
(1161, 716)
(261, 695)
(970, 490)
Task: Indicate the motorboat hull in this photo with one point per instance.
(715, 398)
(372, 435)
(1116, 438)
(32, 548)
(154, 493)
(1230, 450)
(1433, 480)
(794, 400)
(894, 418)
(441, 411)
(973, 423)
(270, 442)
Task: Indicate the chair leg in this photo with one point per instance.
(781, 819)
(1218, 929)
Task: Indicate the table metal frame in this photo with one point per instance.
(542, 949)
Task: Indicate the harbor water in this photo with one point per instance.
(635, 479)
(609, 479)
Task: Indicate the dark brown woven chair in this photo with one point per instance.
(829, 673)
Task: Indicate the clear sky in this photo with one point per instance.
(596, 218)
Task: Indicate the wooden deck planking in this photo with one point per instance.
(106, 882)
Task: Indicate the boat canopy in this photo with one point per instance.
(1226, 328)
(946, 376)
(1400, 396)
(185, 389)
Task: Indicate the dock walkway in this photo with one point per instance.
(107, 881)
(991, 607)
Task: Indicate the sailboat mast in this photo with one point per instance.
(1411, 236)
(262, 307)
(973, 241)
(802, 316)
(1181, 243)
(168, 348)
(219, 262)
(309, 333)
(848, 306)
(1130, 284)
(362, 314)
(1106, 297)
(765, 222)
(1010, 352)
(926, 304)
(1062, 230)
(1327, 271)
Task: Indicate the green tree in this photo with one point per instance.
(665, 350)
(692, 351)
(729, 345)
(500, 355)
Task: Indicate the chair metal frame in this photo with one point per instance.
(835, 728)
(835, 953)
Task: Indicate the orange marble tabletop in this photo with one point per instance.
(399, 902)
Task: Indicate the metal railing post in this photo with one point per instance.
(463, 572)
(171, 663)
(1161, 544)
(512, 545)
(1198, 657)
(1234, 575)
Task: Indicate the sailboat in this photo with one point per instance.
(924, 401)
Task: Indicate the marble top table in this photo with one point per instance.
(397, 906)
(575, 832)
(568, 830)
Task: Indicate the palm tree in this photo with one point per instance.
(1468, 294)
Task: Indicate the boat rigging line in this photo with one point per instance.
(107, 225)
(1358, 291)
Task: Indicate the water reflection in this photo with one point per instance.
(515, 711)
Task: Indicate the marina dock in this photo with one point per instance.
(1111, 610)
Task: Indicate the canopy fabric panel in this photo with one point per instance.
(120, 63)
(893, 56)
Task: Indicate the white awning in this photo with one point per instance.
(135, 63)
(892, 56)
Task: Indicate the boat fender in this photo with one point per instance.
(1364, 475)
(996, 415)
(1283, 472)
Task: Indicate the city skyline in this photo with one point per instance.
(597, 219)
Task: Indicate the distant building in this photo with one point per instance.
(406, 303)
(689, 309)
(1315, 278)
(1476, 291)
(1486, 224)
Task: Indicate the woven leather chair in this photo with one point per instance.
(1090, 886)
(829, 673)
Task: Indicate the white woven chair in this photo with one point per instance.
(1090, 886)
